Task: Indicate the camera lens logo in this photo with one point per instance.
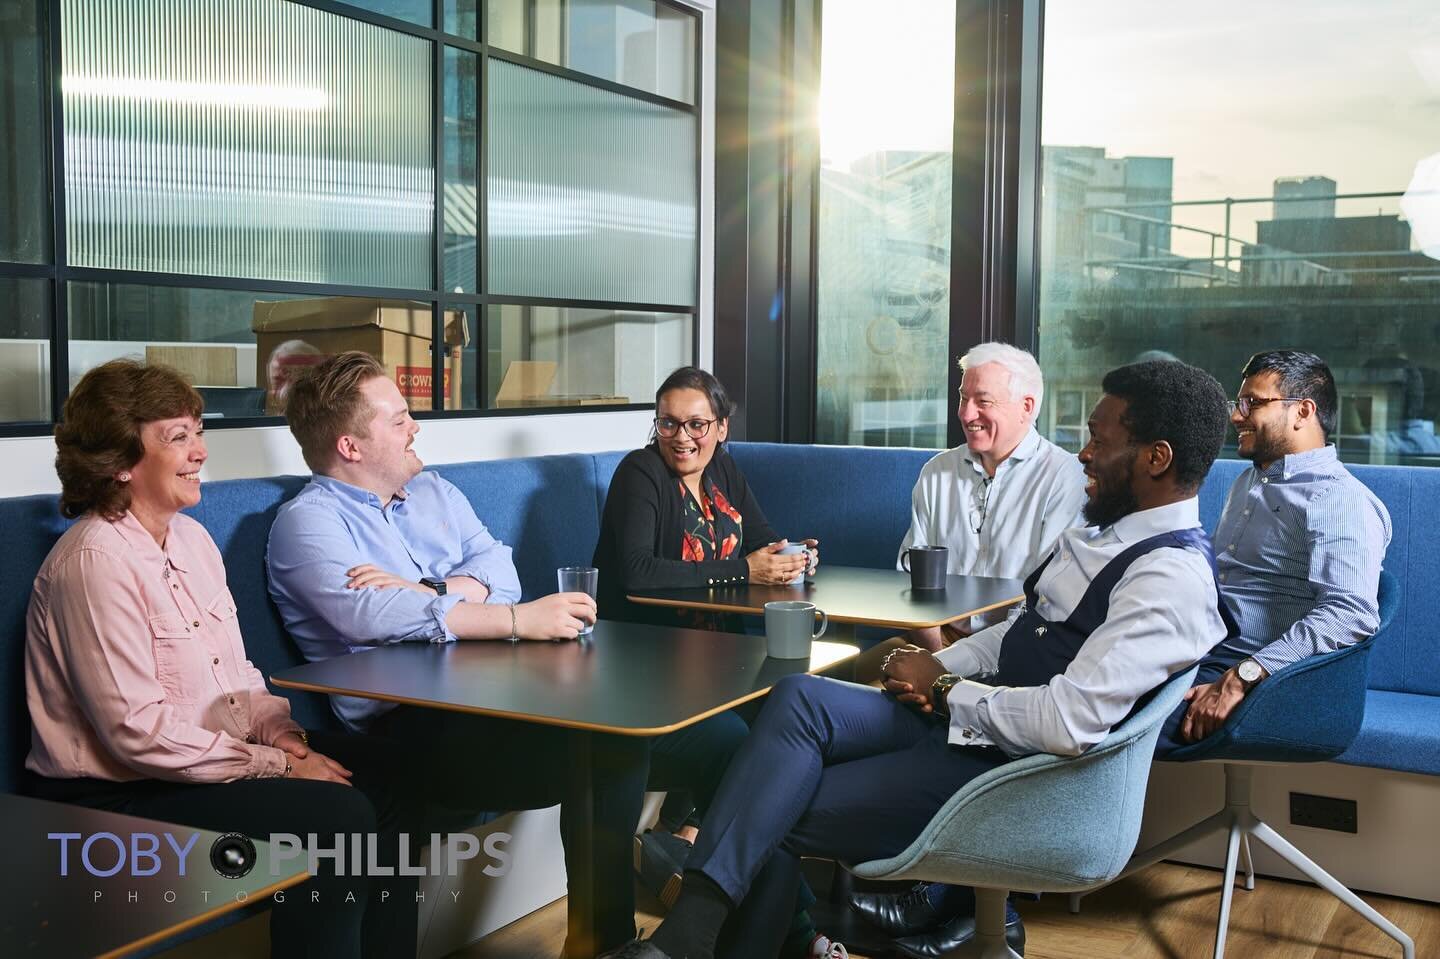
(232, 855)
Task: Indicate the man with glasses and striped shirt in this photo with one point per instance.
(1298, 547)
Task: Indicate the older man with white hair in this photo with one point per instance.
(999, 502)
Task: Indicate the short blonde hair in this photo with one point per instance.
(1025, 376)
(325, 403)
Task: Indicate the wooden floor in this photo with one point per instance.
(1166, 912)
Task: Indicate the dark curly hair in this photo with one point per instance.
(99, 431)
(1303, 376)
(1176, 402)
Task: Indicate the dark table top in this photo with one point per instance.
(43, 913)
(625, 678)
(849, 594)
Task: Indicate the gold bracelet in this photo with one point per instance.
(288, 768)
(304, 737)
(514, 626)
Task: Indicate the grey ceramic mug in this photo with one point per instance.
(790, 628)
(927, 565)
(794, 549)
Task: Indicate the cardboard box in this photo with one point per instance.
(527, 384)
(291, 334)
(202, 365)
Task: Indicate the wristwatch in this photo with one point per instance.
(436, 584)
(1250, 673)
(940, 692)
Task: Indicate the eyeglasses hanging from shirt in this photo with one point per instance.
(984, 504)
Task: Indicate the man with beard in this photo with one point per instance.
(1298, 546)
(1118, 608)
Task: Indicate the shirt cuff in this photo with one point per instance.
(267, 762)
(1275, 657)
(964, 702)
(440, 608)
(957, 659)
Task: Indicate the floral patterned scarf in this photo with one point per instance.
(713, 528)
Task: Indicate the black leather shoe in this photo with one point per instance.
(908, 913)
(953, 935)
(638, 949)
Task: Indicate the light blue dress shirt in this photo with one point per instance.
(1298, 552)
(428, 530)
(1163, 617)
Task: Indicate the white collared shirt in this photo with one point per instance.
(1163, 618)
(1000, 526)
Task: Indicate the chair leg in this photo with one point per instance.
(989, 941)
(1330, 884)
(1246, 862)
(1075, 898)
(1227, 888)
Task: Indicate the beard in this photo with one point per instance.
(1114, 500)
(1265, 448)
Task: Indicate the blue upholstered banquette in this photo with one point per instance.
(856, 501)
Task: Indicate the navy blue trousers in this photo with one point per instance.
(1211, 669)
(829, 769)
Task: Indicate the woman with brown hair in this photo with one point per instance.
(141, 698)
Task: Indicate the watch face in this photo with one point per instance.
(1249, 671)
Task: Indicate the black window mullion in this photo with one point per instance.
(59, 294)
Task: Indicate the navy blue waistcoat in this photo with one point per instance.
(1036, 650)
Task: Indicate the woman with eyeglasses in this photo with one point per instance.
(679, 513)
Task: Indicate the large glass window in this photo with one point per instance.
(883, 290)
(591, 194)
(641, 43)
(1252, 176)
(305, 155)
(24, 158)
(336, 181)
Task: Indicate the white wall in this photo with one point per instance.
(271, 451)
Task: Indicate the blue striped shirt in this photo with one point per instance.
(1298, 552)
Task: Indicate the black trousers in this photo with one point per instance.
(469, 763)
(314, 920)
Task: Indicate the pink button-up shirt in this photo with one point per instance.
(134, 665)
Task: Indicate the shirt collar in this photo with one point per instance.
(139, 539)
(1023, 450)
(1321, 460)
(354, 493)
(1145, 523)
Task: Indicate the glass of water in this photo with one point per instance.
(579, 579)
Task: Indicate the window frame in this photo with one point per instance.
(60, 274)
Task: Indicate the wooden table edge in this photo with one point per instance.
(834, 618)
(230, 906)
(548, 720)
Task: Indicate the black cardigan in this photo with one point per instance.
(642, 527)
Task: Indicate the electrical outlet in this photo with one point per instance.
(1324, 812)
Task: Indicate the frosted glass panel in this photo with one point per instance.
(461, 167)
(303, 153)
(24, 152)
(592, 194)
(541, 356)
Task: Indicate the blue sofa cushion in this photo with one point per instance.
(1401, 731)
(855, 501)
(543, 507)
(33, 524)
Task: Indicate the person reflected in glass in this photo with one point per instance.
(679, 513)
